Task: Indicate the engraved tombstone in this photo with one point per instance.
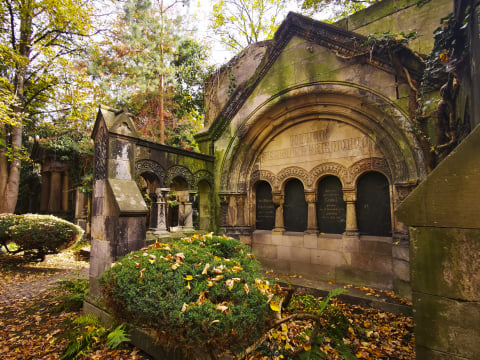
(373, 205)
(265, 210)
(295, 209)
(331, 210)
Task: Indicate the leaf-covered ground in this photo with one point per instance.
(35, 325)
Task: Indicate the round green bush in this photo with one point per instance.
(38, 235)
(201, 294)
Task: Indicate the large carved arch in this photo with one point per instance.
(369, 112)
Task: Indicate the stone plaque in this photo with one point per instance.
(312, 142)
(295, 211)
(265, 210)
(331, 211)
(373, 205)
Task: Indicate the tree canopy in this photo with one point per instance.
(240, 23)
(38, 39)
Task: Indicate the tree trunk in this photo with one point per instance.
(10, 163)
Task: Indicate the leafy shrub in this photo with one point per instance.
(37, 235)
(201, 294)
(87, 332)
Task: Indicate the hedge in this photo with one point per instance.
(201, 295)
(37, 235)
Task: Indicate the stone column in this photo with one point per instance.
(351, 228)
(241, 210)
(188, 224)
(278, 201)
(55, 198)
(45, 192)
(311, 199)
(65, 192)
(161, 215)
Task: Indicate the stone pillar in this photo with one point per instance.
(55, 198)
(188, 223)
(351, 227)
(241, 210)
(278, 201)
(65, 192)
(45, 192)
(161, 215)
(312, 227)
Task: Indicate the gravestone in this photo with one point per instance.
(373, 205)
(265, 210)
(295, 208)
(331, 209)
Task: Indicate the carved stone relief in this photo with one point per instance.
(143, 166)
(101, 149)
(182, 172)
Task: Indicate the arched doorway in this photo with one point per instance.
(295, 212)
(264, 208)
(331, 209)
(177, 196)
(373, 205)
(147, 182)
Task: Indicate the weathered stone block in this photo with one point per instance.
(325, 243)
(401, 252)
(314, 271)
(262, 237)
(293, 254)
(374, 248)
(447, 325)
(354, 276)
(446, 261)
(401, 269)
(288, 240)
(372, 262)
(330, 258)
(310, 241)
(264, 251)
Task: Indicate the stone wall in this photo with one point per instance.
(445, 255)
(396, 16)
(444, 228)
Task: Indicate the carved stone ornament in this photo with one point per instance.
(143, 166)
(179, 171)
(370, 164)
(202, 175)
(101, 150)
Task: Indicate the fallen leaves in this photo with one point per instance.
(31, 326)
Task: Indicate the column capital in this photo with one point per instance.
(310, 196)
(278, 198)
(349, 195)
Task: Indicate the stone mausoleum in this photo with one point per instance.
(311, 142)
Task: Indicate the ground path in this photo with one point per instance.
(23, 281)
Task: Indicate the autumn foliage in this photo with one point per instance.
(202, 295)
(37, 235)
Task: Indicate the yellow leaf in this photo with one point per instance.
(275, 306)
(205, 269)
(288, 346)
(307, 347)
(223, 308)
(209, 283)
(201, 298)
(246, 288)
(175, 266)
(188, 287)
(184, 307)
(151, 261)
(188, 277)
